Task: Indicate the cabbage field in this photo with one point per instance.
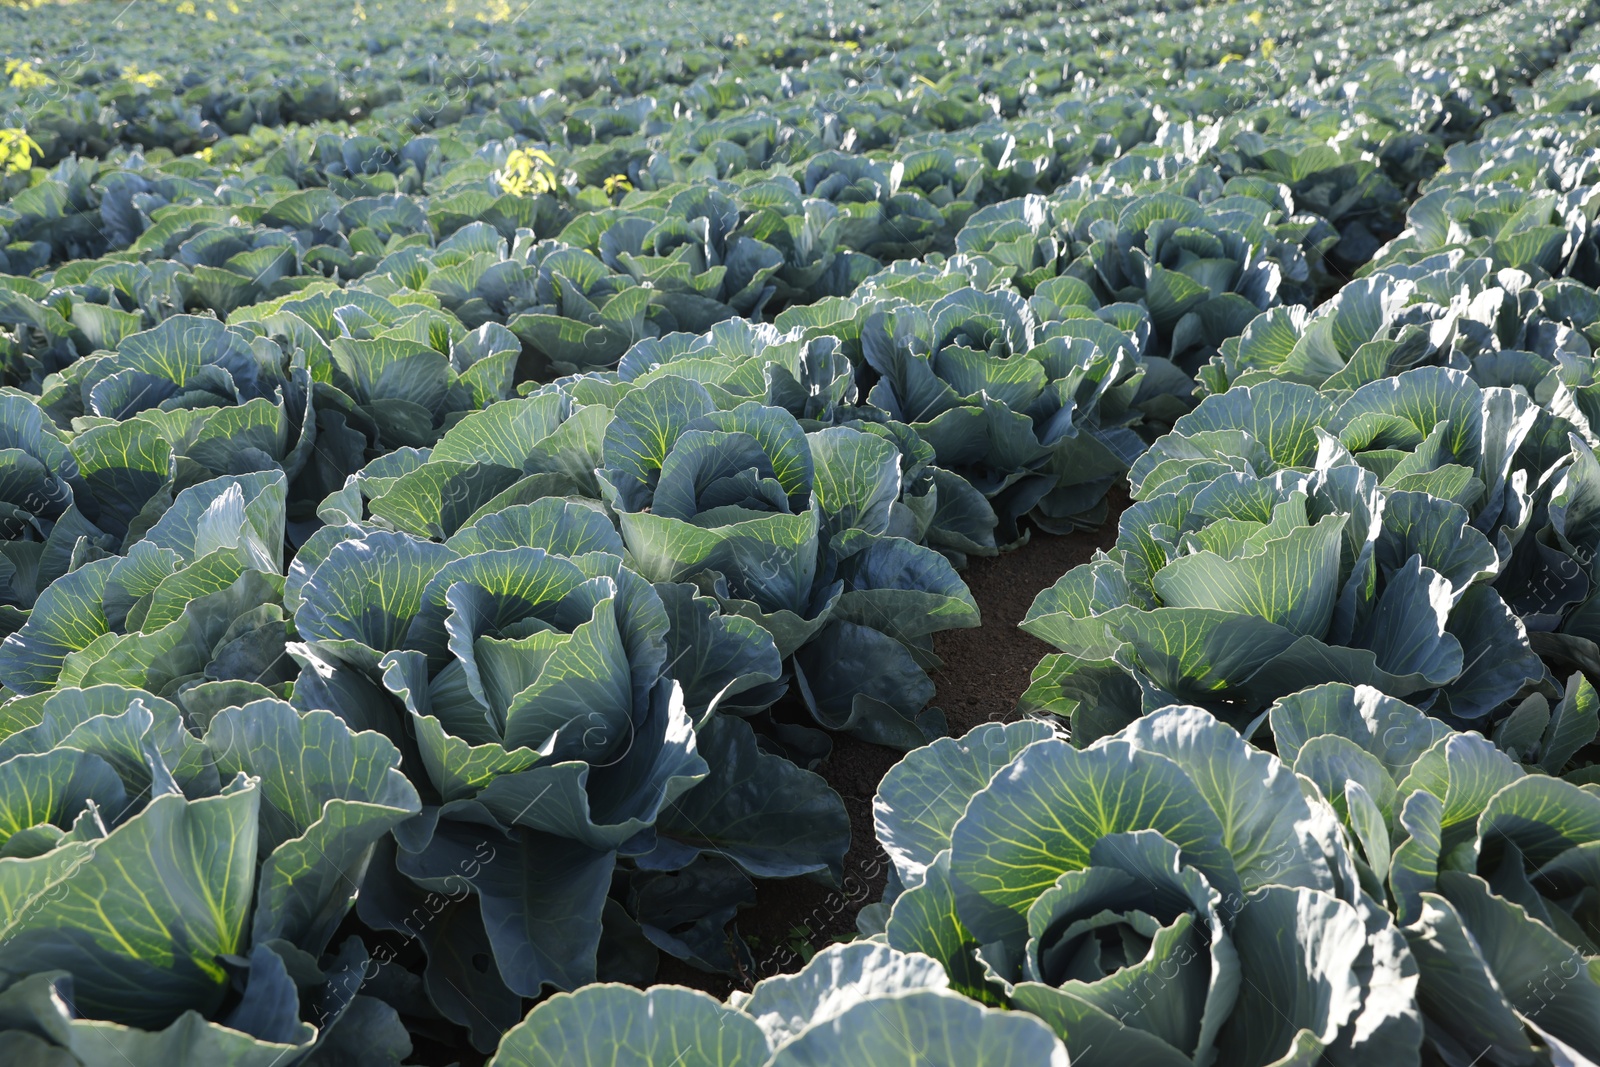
(490, 492)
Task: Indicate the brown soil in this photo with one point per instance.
(985, 670)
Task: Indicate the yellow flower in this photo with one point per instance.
(148, 79)
(186, 8)
(17, 150)
(24, 75)
(1254, 18)
(528, 172)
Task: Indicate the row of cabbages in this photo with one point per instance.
(800, 216)
(364, 683)
(1383, 890)
(860, 77)
(1390, 500)
(883, 70)
(871, 132)
(1171, 265)
(1391, 489)
(514, 755)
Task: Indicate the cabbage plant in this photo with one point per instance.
(1486, 863)
(1265, 553)
(1168, 894)
(196, 599)
(792, 530)
(546, 688)
(174, 887)
(1031, 402)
